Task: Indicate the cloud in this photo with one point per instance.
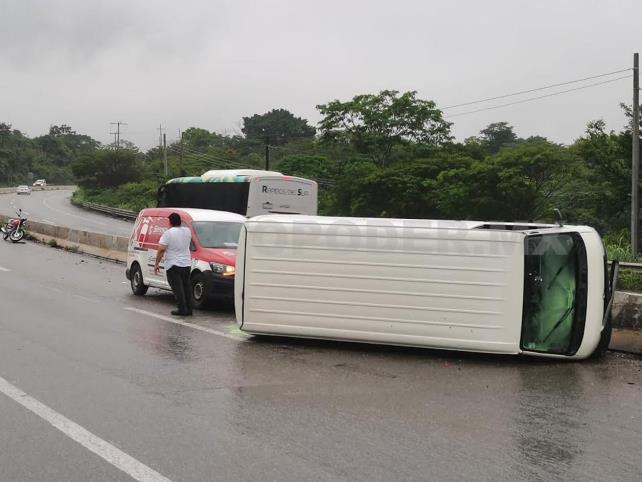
(75, 33)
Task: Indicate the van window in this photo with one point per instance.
(554, 293)
(216, 234)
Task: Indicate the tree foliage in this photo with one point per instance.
(107, 168)
(277, 126)
(376, 124)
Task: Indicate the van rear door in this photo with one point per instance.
(282, 194)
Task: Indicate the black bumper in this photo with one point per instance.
(219, 287)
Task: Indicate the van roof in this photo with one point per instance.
(196, 214)
(397, 222)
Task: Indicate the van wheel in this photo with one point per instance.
(200, 292)
(137, 284)
(605, 340)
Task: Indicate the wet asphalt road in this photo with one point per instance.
(53, 207)
(194, 405)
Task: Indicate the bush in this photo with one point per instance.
(133, 196)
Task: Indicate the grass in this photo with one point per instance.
(618, 247)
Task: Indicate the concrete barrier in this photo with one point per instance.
(627, 310)
(96, 244)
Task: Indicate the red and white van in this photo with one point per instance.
(215, 236)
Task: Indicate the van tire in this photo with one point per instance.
(136, 281)
(200, 291)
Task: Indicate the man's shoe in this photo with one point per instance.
(180, 313)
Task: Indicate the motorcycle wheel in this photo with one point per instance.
(16, 235)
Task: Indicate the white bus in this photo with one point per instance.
(461, 285)
(248, 192)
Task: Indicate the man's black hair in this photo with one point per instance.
(175, 219)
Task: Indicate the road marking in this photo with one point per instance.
(116, 457)
(5, 270)
(238, 337)
(75, 295)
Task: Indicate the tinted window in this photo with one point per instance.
(554, 293)
(221, 196)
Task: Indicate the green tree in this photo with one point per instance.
(107, 168)
(522, 183)
(199, 139)
(376, 124)
(278, 126)
(497, 135)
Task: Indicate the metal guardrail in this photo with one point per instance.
(631, 266)
(116, 212)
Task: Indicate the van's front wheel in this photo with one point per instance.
(200, 291)
(136, 278)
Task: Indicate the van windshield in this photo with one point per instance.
(554, 293)
(216, 234)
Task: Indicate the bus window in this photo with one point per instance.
(554, 293)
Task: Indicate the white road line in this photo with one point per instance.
(75, 295)
(239, 337)
(116, 457)
(5, 270)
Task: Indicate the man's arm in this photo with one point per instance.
(159, 257)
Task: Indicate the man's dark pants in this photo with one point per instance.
(178, 279)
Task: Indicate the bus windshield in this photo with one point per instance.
(215, 234)
(554, 293)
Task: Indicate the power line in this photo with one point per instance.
(212, 159)
(213, 156)
(521, 92)
(531, 99)
(117, 133)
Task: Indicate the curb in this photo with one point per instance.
(95, 244)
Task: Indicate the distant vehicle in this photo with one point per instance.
(532, 289)
(23, 189)
(248, 192)
(40, 183)
(215, 236)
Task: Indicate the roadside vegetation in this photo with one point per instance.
(389, 154)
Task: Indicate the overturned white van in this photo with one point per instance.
(460, 285)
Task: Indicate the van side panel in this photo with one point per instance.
(408, 285)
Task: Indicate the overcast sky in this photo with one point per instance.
(208, 63)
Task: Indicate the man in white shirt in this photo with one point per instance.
(175, 246)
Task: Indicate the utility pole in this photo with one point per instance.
(160, 136)
(117, 133)
(181, 172)
(635, 158)
(165, 155)
(267, 153)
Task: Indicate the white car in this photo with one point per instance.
(41, 183)
(24, 189)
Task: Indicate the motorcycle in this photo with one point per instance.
(14, 229)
